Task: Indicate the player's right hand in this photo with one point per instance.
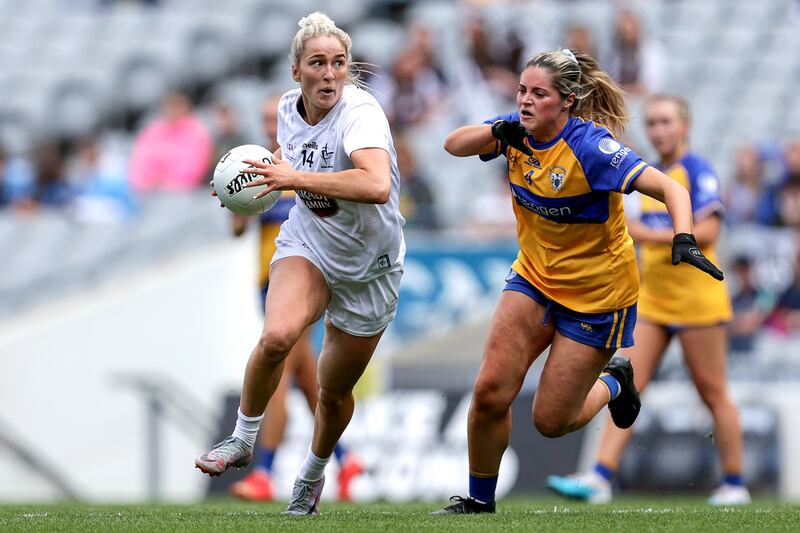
(512, 133)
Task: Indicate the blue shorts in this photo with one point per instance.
(602, 330)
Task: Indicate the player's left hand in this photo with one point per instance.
(684, 248)
(279, 176)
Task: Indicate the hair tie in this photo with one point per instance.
(567, 52)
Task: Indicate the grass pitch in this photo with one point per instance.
(515, 515)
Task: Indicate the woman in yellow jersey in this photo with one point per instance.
(676, 301)
(574, 285)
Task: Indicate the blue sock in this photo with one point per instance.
(612, 384)
(265, 458)
(340, 451)
(482, 487)
(605, 472)
(733, 479)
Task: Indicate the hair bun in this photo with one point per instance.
(315, 18)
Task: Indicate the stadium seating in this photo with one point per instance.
(71, 67)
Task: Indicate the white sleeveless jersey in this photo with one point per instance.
(353, 241)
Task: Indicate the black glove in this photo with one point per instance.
(511, 133)
(684, 248)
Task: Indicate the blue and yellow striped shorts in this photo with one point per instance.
(602, 330)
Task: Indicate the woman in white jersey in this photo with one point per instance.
(340, 252)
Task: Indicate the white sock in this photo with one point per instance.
(313, 467)
(247, 427)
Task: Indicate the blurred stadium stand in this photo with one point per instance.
(78, 67)
(99, 66)
(72, 67)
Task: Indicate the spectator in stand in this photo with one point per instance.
(411, 94)
(227, 133)
(751, 306)
(789, 205)
(101, 184)
(776, 206)
(498, 56)
(786, 317)
(174, 151)
(792, 158)
(744, 195)
(16, 180)
(579, 37)
(50, 188)
(421, 41)
(637, 62)
(416, 198)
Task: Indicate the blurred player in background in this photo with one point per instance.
(340, 252)
(574, 285)
(676, 301)
(300, 364)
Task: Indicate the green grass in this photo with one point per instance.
(516, 515)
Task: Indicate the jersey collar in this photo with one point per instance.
(327, 117)
(552, 142)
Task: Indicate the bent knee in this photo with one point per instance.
(490, 399)
(551, 427)
(275, 344)
(333, 399)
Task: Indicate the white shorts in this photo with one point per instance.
(362, 309)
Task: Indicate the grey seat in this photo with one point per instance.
(378, 41)
(211, 50)
(141, 79)
(276, 27)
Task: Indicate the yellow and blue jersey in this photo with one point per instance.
(682, 295)
(270, 226)
(574, 243)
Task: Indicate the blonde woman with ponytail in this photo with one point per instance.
(340, 253)
(574, 285)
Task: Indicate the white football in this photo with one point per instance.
(231, 176)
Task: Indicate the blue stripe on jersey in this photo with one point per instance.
(590, 208)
